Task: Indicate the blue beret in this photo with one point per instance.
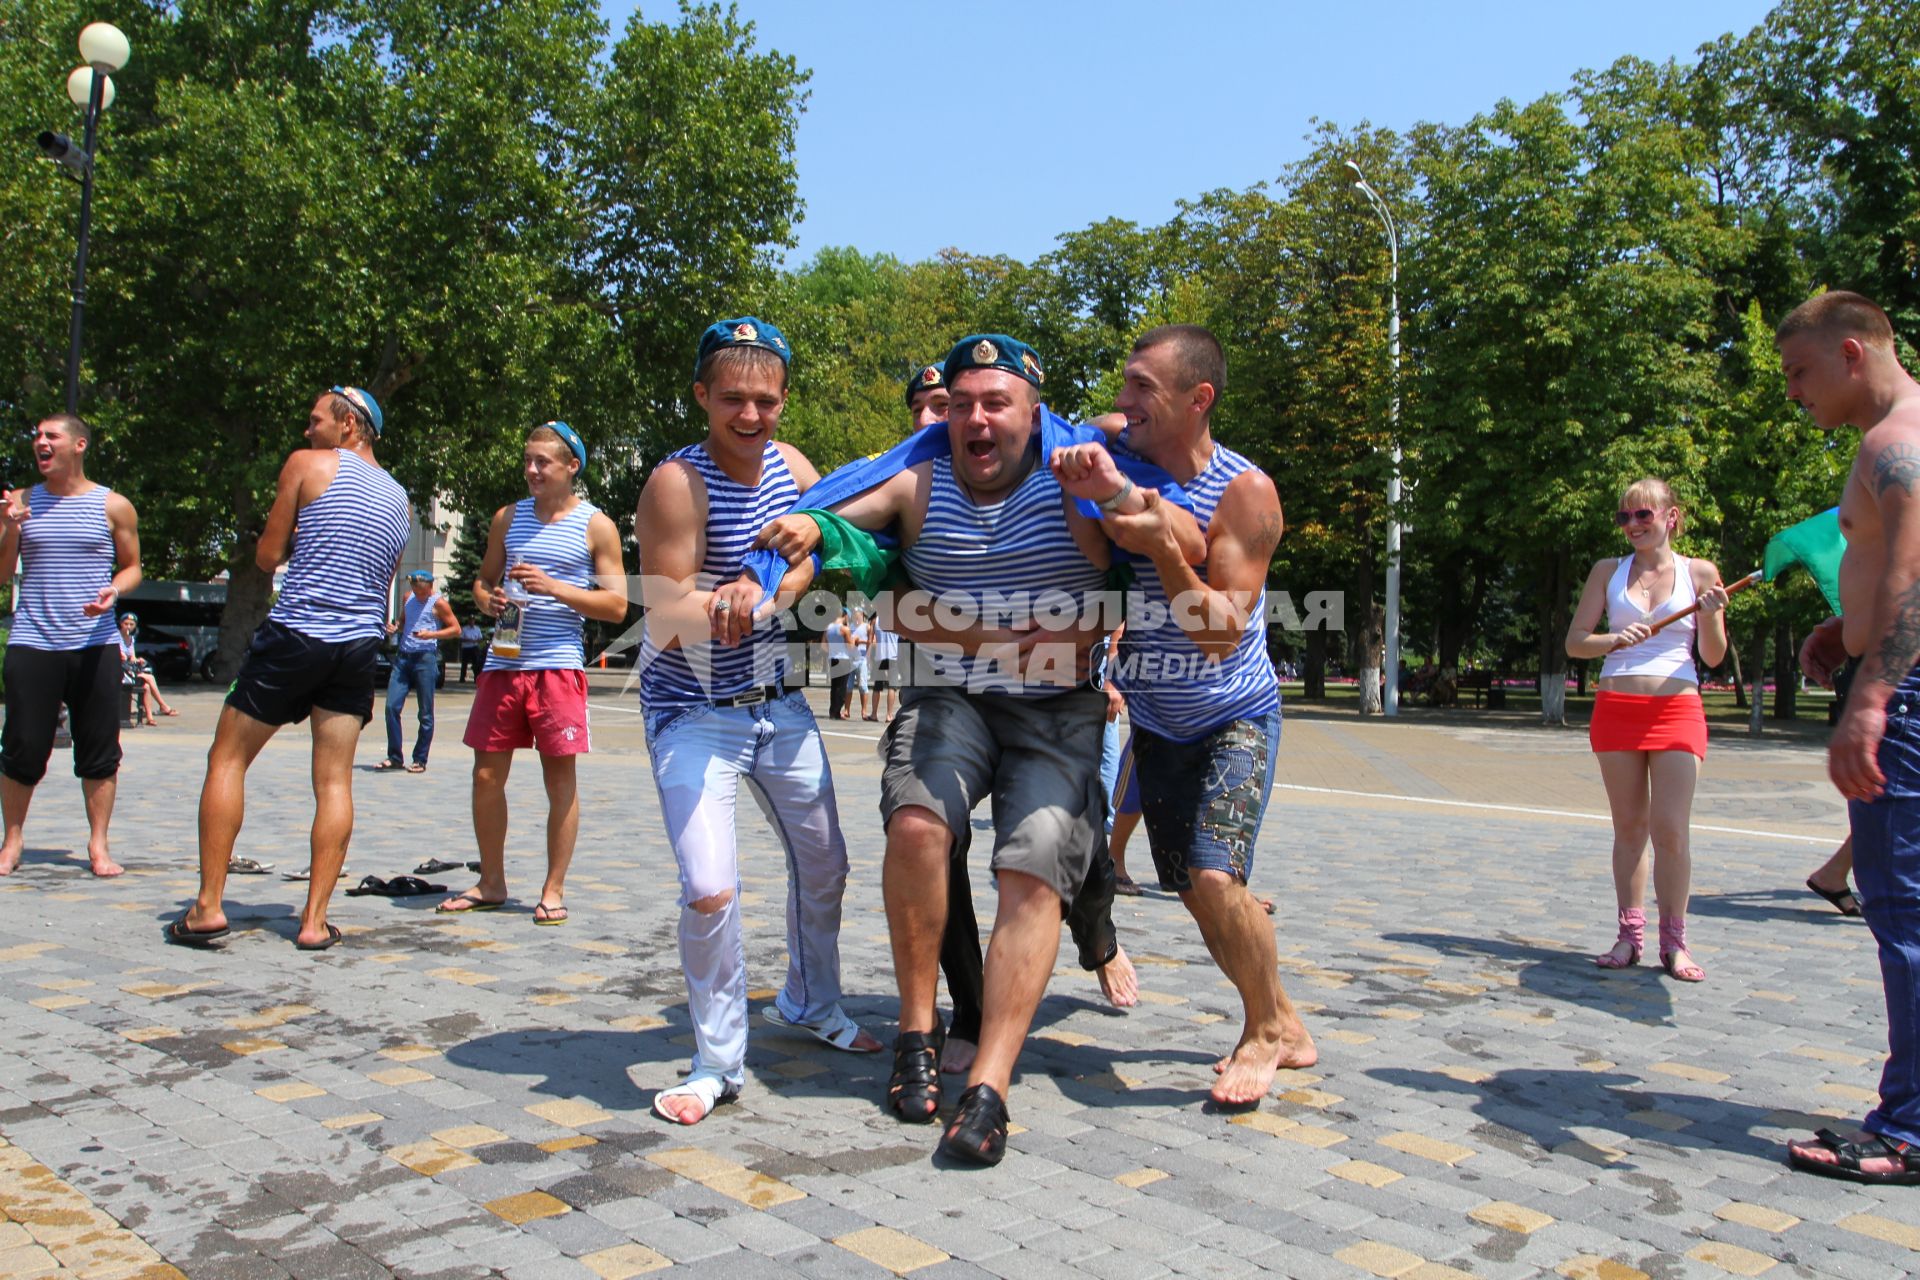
(994, 351)
(366, 404)
(572, 437)
(747, 331)
(931, 378)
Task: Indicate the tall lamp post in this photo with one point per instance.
(104, 49)
(1390, 703)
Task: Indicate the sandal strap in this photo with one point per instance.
(916, 1071)
(1849, 1153)
(979, 1129)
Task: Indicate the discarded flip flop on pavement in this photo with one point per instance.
(434, 866)
(247, 867)
(398, 887)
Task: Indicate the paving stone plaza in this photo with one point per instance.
(454, 1097)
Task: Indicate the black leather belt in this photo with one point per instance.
(753, 697)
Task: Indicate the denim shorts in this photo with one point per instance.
(1203, 801)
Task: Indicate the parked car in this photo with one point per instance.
(168, 656)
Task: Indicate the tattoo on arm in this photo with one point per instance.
(1270, 528)
(1897, 464)
(1900, 648)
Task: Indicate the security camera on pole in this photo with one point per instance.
(105, 50)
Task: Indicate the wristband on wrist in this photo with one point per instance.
(1112, 504)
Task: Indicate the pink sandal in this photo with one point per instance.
(1633, 932)
(1673, 943)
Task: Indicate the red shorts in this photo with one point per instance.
(546, 710)
(1648, 722)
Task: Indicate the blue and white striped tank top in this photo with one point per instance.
(995, 562)
(699, 673)
(66, 556)
(1172, 688)
(417, 615)
(550, 638)
(346, 545)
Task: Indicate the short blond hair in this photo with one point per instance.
(1652, 491)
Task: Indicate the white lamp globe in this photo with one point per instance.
(80, 88)
(104, 45)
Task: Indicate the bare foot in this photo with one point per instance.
(1296, 1052)
(682, 1108)
(958, 1056)
(1118, 982)
(9, 861)
(103, 864)
(1266, 904)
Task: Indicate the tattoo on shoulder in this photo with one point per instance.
(1897, 464)
(1270, 527)
(1900, 649)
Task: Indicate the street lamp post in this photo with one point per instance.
(104, 49)
(1390, 703)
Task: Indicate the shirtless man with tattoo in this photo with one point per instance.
(1837, 352)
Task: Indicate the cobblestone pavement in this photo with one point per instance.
(467, 1096)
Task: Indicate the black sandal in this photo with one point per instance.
(916, 1074)
(1847, 1157)
(978, 1134)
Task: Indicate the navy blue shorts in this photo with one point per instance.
(287, 674)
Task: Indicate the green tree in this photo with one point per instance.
(455, 203)
(1563, 298)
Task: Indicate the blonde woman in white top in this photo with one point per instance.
(1649, 730)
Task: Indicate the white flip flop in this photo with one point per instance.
(837, 1029)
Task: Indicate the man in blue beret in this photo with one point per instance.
(339, 522)
(1000, 706)
(555, 557)
(927, 396)
(713, 682)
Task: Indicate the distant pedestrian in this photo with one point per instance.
(469, 649)
(425, 620)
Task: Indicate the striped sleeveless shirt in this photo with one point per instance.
(993, 561)
(66, 556)
(346, 545)
(417, 615)
(550, 636)
(696, 674)
(1172, 688)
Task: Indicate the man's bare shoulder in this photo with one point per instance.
(798, 463)
(676, 478)
(1889, 460)
(1250, 509)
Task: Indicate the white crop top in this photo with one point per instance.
(1667, 653)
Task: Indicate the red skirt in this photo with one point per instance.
(1648, 722)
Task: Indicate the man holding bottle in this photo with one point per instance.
(552, 559)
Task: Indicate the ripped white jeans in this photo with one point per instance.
(700, 756)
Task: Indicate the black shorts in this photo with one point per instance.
(286, 675)
(883, 672)
(38, 681)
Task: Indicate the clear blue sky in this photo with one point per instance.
(994, 126)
